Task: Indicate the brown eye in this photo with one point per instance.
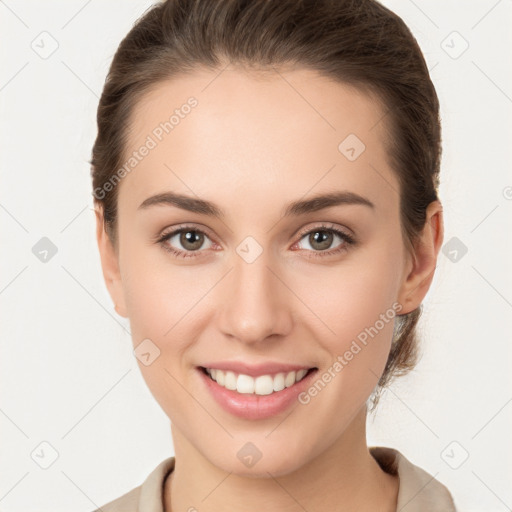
(184, 242)
(191, 240)
(320, 239)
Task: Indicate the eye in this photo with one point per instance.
(321, 238)
(191, 240)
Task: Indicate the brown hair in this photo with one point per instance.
(356, 42)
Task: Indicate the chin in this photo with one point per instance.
(273, 464)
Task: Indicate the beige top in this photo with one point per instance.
(418, 490)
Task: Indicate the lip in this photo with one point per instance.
(250, 406)
(255, 370)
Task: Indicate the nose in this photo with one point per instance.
(256, 304)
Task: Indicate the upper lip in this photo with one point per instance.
(254, 370)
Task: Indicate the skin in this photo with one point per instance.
(253, 144)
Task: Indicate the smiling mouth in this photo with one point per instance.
(266, 384)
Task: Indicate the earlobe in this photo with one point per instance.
(424, 260)
(110, 265)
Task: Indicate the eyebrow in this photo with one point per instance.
(296, 208)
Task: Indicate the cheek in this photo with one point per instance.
(159, 297)
(356, 303)
(161, 301)
(353, 295)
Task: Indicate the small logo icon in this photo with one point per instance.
(44, 250)
(249, 455)
(507, 193)
(44, 45)
(44, 455)
(454, 249)
(454, 45)
(146, 352)
(455, 455)
(351, 147)
(249, 249)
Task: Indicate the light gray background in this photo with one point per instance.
(67, 373)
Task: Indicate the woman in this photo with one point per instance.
(265, 177)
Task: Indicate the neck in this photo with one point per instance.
(344, 477)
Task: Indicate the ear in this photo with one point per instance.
(110, 264)
(422, 264)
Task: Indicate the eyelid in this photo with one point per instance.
(181, 227)
(328, 226)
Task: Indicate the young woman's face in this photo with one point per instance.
(250, 281)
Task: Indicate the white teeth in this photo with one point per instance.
(245, 384)
(220, 377)
(279, 382)
(290, 379)
(262, 385)
(229, 380)
(301, 373)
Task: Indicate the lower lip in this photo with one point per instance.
(255, 407)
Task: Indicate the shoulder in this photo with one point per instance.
(146, 497)
(418, 489)
(128, 502)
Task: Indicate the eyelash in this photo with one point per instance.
(347, 239)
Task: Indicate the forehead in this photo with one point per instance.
(283, 133)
